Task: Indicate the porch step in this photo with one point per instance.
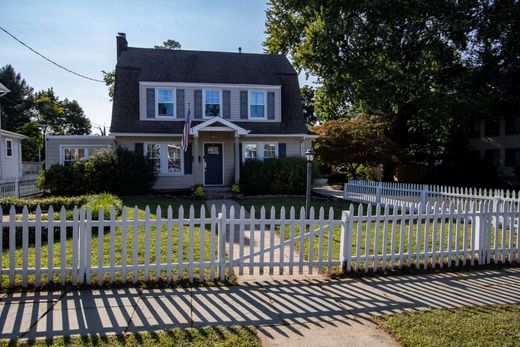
(218, 192)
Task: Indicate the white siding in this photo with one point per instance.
(11, 166)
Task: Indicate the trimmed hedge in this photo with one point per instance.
(94, 201)
(274, 176)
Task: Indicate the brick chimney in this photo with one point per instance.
(122, 43)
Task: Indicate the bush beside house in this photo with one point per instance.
(118, 171)
(273, 176)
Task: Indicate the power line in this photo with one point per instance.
(49, 60)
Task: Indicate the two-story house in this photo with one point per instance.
(241, 106)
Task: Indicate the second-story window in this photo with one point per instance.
(257, 104)
(212, 103)
(165, 102)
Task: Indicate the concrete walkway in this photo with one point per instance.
(289, 312)
(328, 191)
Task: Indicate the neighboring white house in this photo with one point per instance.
(11, 154)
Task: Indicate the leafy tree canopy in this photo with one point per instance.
(169, 44)
(419, 66)
(351, 142)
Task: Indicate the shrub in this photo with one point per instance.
(199, 192)
(120, 171)
(337, 178)
(93, 201)
(64, 180)
(117, 171)
(274, 176)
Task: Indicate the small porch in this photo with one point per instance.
(216, 152)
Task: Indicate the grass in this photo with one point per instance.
(117, 250)
(409, 237)
(470, 326)
(197, 337)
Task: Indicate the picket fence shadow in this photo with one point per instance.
(211, 245)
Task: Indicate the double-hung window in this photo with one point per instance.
(153, 152)
(212, 103)
(8, 148)
(73, 155)
(165, 105)
(257, 102)
(261, 150)
(167, 158)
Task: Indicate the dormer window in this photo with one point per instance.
(165, 106)
(212, 103)
(257, 101)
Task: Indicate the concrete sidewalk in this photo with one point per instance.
(304, 311)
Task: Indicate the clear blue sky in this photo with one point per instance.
(81, 36)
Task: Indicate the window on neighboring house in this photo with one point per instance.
(512, 126)
(212, 103)
(174, 159)
(492, 127)
(9, 148)
(257, 104)
(493, 156)
(73, 155)
(513, 157)
(165, 102)
(167, 158)
(259, 150)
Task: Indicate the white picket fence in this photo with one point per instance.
(19, 186)
(141, 246)
(398, 194)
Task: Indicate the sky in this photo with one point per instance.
(80, 35)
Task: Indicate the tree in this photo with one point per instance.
(309, 115)
(14, 106)
(401, 63)
(169, 44)
(352, 142)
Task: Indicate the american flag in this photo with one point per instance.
(186, 131)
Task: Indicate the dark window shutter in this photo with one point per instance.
(243, 104)
(270, 105)
(180, 103)
(150, 103)
(139, 148)
(226, 104)
(282, 150)
(188, 162)
(197, 94)
(240, 153)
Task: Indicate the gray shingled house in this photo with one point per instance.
(242, 106)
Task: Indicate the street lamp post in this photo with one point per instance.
(310, 154)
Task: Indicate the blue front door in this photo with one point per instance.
(213, 174)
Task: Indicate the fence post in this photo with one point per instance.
(345, 191)
(17, 187)
(345, 247)
(423, 198)
(221, 232)
(378, 193)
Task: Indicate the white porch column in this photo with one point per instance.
(195, 153)
(237, 158)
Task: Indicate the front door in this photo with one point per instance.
(213, 164)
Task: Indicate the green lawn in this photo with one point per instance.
(200, 337)
(130, 202)
(469, 326)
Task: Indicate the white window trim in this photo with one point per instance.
(259, 149)
(12, 148)
(204, 102)
(82, 146)
(163, 159)
(174, 97)
(249, 104)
